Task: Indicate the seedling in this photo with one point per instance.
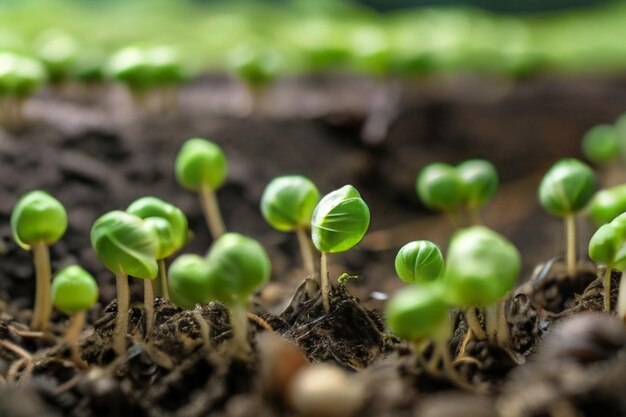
(239, 266)
(20, 77)
(58, 51)
(287, 205)
(74, 291)
(147, 207)
(600, 144)
(607, 204)
(39, 220)
(127, 246)
(189, 281)
(339, 222)
(565, 189)
(603, 247)
(481, 183)
(201, 166)
(481, 267)
(420, 261)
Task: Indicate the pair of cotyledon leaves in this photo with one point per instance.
(567, 187)
(608, 244)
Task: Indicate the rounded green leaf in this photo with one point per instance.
(619, 226)
(339, 220)
(481, 267)
(600, 144)
(440, 187)
(201, 163)
(238, 265)
(38, 217)
(189, 281)
(481, 181)
(419, 261)
(74, 290)
(288, 202)
(153, 207)
(165, 236)
(417, 312)
(567, 187)
(125, 244)
(607, 204)
(603, 245)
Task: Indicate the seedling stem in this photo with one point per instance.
(474, 324)
(239, 323)
(570, 255)
(164, 290)
(605, 272)
(621, 299)
(212, 212)
(72, 335)
(148, 301)
(491, 322)
(324, 279)
(121, 320)
(43, 303)
(306, 252)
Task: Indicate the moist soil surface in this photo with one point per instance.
(95, 152)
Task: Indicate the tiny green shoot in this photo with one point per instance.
(189, 281)
(339, 222)
(600, 144)
(39, 220)
(74, 291)
(564, 190)
(607, 204)
(126, 246)
(481, 183)
(201, 166)
(603, 247)
(419, 262)
(20, 77)
(440, 187)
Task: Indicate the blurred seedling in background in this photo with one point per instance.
(201, 166)
(20, 77)
(171, 237)
(565, 189)
(39, 220)
(605, 147)
(126, 245)
(339, 222)
(287, 204)
(74, 291)
(59, 52)
(460, 192)
(603, 247)
(607, 204)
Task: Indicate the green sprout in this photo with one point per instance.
(189, 281)
(287, 204)
(171, 239)
(39, 220)
(603, 247)
(201, 166)
(58, 51)
(481, 267)
(440, 187)
(419, 262)
(74, 291)
(565, 189)
(20, 77)
(239, 266)
(607, 204)
(481, 183)
(600, 144)
(127, 246)
(339, 222)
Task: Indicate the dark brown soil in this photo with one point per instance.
(99, 154)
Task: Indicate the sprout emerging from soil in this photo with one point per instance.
(565, 189)
(600, 144)
(20, 77)
(287, 205)
(420, 261)
(239, 266)
(603, 247)
(339, 222)
(189, 281)
(74, 291)
(481, 183)
(127, 246)
(58, 51)
(201, 166)
(171, 238)
(39, 220)
(481, 267)
(607, 204)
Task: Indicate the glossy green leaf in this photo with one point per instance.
(74, 290)
(603, 245)
(567, 187)
(165, 236)
(125, 244)
(607, 204)
(189, 281)
(481, 267)
(340, 220)
(480, 180)
(153, 207)
(419, 261)
(288, 202)
(38, 217)
(440, 187)
(201, 163)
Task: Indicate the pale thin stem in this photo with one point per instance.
(43, 301)
(260, 321)
(239, 324)
(212, 212)
(491, 323)
(504, 331)
(205, 331)
(570, 237)
(164, 288)
(305, 251)
(474, 324)
(148, 302)
(606, 284)
(621, 297)
(121, 319)
(72, 335)
(453, 376)
(324, 279)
